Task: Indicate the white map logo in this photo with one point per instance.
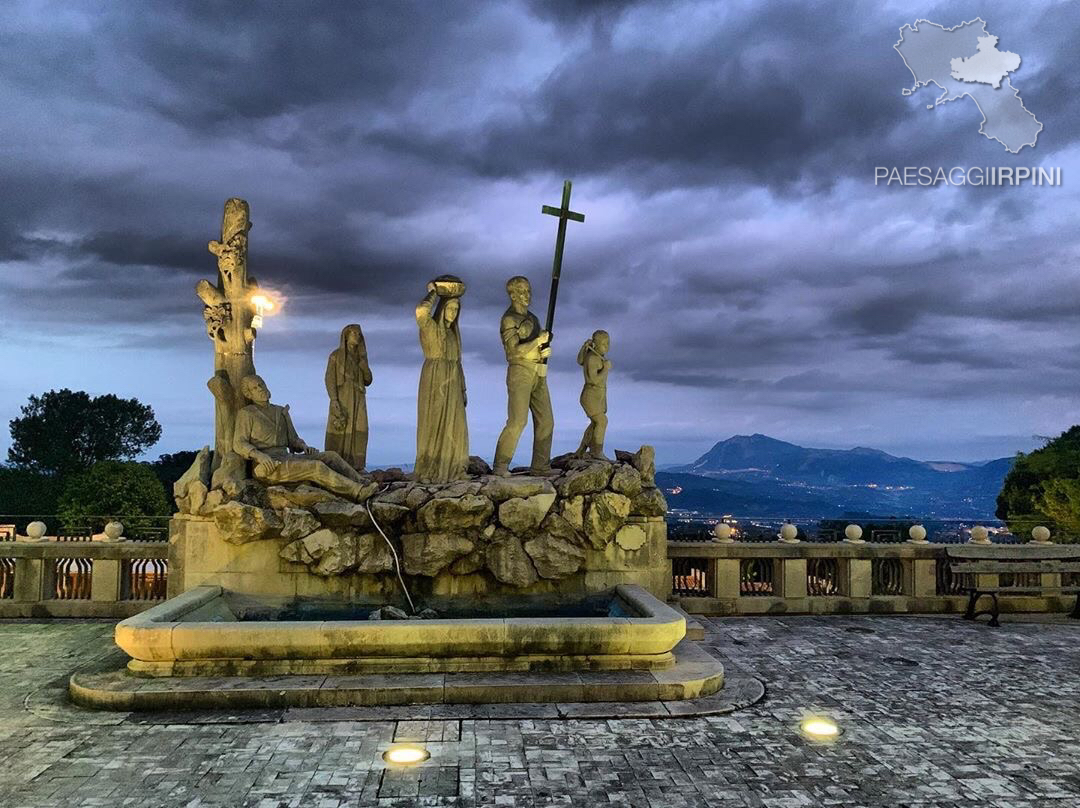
(965, 62)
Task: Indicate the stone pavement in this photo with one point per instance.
(935, 712)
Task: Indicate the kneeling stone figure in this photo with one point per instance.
(265, 435)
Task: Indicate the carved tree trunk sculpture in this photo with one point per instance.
(228, 315)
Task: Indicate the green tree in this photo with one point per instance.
(65, 431)
(1043, 487)
(113, 490)
(171, 467)
(27, 494)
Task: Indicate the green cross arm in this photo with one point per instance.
(563, 213)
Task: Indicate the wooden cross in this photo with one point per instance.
(564, 213)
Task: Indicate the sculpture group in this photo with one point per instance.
(256, 439)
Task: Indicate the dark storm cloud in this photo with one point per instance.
(735, 245)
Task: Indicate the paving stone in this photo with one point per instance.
(986, 718)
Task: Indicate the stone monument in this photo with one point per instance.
(229, 312)
(595, 365)
(525, 344)
(348, 376)
(264, 435)
(442, 434)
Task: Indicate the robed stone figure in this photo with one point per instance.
(347, 378)
(442, 435)
(526, 380)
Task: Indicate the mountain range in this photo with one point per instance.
(755, 475)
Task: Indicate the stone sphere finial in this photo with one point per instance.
(114, 531)
(789, 534)
(723, 532)
(980, 535)
(917, 534)
(853, 534)
(1040, 534)
(36, 530)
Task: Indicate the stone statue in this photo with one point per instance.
(228, 313)
(594, 363)
(264, 434)
(347, 378)
(526, 381)
(442, 435)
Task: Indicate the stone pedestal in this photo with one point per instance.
(587, 531)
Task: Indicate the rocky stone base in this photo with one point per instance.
(516, 531)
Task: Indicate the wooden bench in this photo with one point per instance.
(1002, 564)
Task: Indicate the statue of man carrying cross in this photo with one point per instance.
(527, 350)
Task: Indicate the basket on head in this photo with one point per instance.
(449, 286)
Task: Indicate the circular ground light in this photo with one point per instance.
(405, 754)
(818, 728)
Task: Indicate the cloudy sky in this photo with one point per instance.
(752, 276)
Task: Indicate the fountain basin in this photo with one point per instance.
(201, 633)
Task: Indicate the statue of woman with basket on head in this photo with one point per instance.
(442, 435)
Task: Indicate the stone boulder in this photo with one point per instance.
(573, 511)
(389, 613)
(191, 489)
(297, 523)
(430, 553)
(477, 467)
(604, 515)
(524, 515)
(468, 564)
(626, 480)
(458, 489)
(509, 563)
(299, 496)
(417, 495)
(650, 502)
(339, 513)
(384, 476)
(338, 558)
(213, 499)
(644, 460)
(311, 548)
(556, 525)
(387, 514)
(554, 557)
(594, 477)
(238, 523)
(246, 492)
(564, 461)
(455, 513)
(394, 495)
(372, 554)
(500, 489)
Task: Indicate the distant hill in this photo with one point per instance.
(756, 475)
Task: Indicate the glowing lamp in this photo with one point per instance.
(406, 754)
(263, 305)
(819, 729)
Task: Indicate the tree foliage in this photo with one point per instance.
(64, 431)
(27, 494)
(112, 490)
(1043, 487)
